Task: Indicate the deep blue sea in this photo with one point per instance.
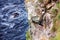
(13, 20)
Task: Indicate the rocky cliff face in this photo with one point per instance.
(40, 18)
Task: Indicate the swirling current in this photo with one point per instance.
(13, 20)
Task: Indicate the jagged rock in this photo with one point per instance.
(49, 6)
(55, 0)
(35, 18)
(46, 2)
(42, 5)
(37, 22)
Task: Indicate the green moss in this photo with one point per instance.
(55, 11)
(57, 36)
(59, 17)
(28, 36)
(58, 5)
(40, 0)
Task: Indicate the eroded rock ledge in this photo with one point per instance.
(41, 17)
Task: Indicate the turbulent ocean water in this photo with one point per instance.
(13, 20)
